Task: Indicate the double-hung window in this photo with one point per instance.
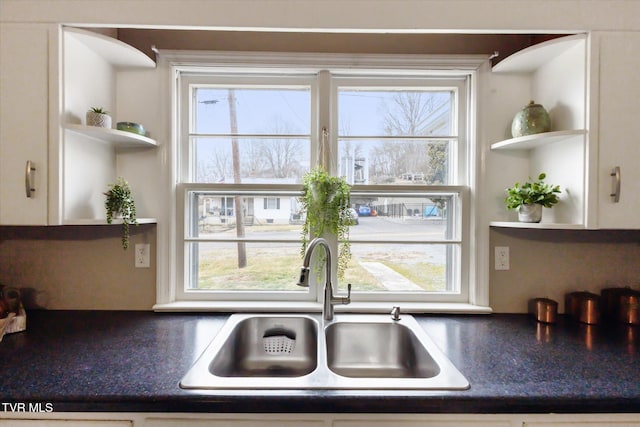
(247, 134)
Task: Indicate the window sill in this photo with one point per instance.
(309, 307)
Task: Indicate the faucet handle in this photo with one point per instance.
(348, 298)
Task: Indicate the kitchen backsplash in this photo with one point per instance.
(85, 267)
(78, 267)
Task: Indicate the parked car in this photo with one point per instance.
(354, 216)
(364, 211)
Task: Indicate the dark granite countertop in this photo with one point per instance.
(133, 361)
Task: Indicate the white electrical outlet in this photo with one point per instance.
(142, 255)
(501, 255)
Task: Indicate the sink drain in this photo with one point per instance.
(279, 341)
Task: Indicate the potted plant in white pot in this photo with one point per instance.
(325, 206)
(120, 204)
(98, 116)
(529, 198)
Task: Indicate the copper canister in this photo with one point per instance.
(544, 310)
(610, 301)
(629, 309)
(583, 306)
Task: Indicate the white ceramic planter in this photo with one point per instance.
(530, 213)
(98, 119)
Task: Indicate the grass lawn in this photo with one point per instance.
(278, 269)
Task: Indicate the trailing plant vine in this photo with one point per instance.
(120, 201)
(325, 203)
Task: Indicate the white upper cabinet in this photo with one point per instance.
(27, 82)
(615, 121)
(50, 78)
(94, 66)
(553, 74)
(591, 88)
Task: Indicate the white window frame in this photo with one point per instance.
(172, 62)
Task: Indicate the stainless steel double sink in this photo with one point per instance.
(353, 351)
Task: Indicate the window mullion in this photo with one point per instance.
(325, 115)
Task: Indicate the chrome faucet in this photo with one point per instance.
(329, 299)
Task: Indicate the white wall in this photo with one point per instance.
(468, 15)
(509, 289)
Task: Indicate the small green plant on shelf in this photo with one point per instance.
(120, 204)
(99, 117)
(529, 198)
(532, 192)
(98, 110)
(325, 204)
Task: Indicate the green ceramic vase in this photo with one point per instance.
(530, 120)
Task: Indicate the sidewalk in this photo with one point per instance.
(390, 279)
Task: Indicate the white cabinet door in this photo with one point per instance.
(233, 421)
(618, 125)
(450, 422)
(63, 423)
(24, 122)
(583, 424)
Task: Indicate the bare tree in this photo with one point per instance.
(216, 166)
(275, 158)
(280, 156)
(415, 114)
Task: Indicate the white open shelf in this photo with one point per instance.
(103, 221)
(536, 140)
(538, 225)
(530, 59)
(119, 138)
(119, 54)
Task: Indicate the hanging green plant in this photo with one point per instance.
(120, 204)
(325, 205)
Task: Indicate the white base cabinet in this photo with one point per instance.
(316, 420)
(64, 422)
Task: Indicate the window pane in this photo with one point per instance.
(409, 218)
(368, 112)
(269, 266)
(396, 161)
(272, 111)
(401, 268)
(264, 217)
(260, 160)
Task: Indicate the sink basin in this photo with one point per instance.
(268, 346)
(377, 350)
(353, 351)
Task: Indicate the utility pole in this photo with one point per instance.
(239, 205)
